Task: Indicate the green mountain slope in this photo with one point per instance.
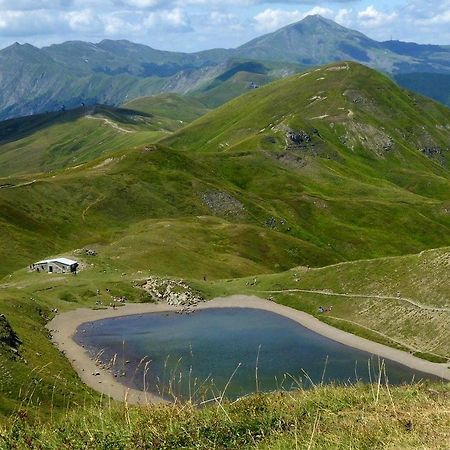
(52, 141)
(339, 158)
(37, 80)
(240, 77)
(178, 109)
(324, 146)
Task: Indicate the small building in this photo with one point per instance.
(57, 265)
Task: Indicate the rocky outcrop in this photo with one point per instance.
(299, 137)
(222, 203)
(8, 337)
(367, 136)
(431, 151)
(430, 148)
(172, 292)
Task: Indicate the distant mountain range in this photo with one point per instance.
(34, 80)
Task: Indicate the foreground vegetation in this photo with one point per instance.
(360, 417)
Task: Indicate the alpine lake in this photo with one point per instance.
(227, 353)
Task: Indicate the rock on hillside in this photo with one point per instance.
(172, 292)
(8, 338)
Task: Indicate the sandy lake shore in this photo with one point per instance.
(64, 326)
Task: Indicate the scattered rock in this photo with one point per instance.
(428, 147)
(431, 151)
(299, 137)
(274, 224)
(291, 160)
(172, 292)
(368, 137)
(222, 203)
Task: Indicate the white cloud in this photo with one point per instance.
(21, 23)
(82, 20)
(212, 23)
(374, 18)
(343, 17)
(173, 19)
(143, 3)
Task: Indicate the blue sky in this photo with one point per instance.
(190, 25)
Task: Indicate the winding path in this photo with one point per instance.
(381, 297)
(110, 123)
(14, 186)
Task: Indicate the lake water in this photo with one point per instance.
(196, 355)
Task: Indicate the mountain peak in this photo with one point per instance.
(22, 50)
(314, 18)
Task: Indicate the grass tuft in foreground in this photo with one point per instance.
(362, 417)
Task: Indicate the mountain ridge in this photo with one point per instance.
(35, 80)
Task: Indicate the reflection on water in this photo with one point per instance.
(230, 352)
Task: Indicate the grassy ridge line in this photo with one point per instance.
(69, 139)
(175, 107)
(326, 417)
(48, 142)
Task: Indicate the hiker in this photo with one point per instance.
(321, 309)
(204, 277)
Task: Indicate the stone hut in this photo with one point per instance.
(57, 265)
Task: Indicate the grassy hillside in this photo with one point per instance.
(164, 107)
(324, 146)
(241, 77)
(103, 198)
(46, 142)
(326, 418)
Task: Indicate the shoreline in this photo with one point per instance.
(64, 326)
